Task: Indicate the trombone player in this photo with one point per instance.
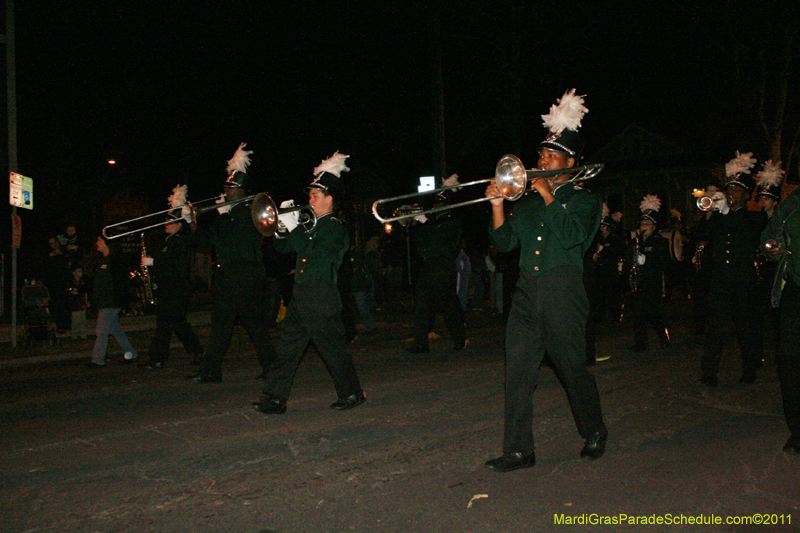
(553, 227)
(240, 278)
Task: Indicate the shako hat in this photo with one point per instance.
(769, 182)
(563, 122)
(237, 169)
(738, 171)
(649, 208)
(328, 175)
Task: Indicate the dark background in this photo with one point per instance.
(170, 89)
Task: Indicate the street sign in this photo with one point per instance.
(21, 191)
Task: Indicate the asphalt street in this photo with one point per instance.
(126, 448)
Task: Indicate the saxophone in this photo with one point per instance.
(635, 275)
(146, 280)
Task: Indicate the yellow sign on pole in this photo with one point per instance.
(21, 191)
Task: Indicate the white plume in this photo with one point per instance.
(771, 175)
(178, 196)
(240, 160)
(650, 203)
(451, 181)
(334, 165)
(741, 164)
(567, 115)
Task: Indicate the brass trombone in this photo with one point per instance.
(512, 181)
(263, 211)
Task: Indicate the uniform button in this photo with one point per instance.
(537, 252)
(728, 261)
(301, 271)
(303, 260)
(536, 268)
(539, 238)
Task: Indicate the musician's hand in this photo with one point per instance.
(288, 221)
(641, 258)
(224, 209)
(772, 248)
(542, 186)
(491, 192)
(147, 261)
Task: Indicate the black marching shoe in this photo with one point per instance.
(638, 348)
(748, 378)
(511, 461)
(792, 446)
(270, 405)
(663, 339)
(595, 445)
(343, 404)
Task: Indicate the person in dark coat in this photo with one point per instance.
(553, 228)
(314, 313)
(734, 232)
(109, 297)
(239, 279)
(171, 269)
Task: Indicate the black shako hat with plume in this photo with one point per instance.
(769, 180)
(563, 122)
(738, 171)
(328, 175)
(237, 169)
(650, 207)
(177, 200)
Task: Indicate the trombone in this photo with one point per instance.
(263, 211)
(512, 181)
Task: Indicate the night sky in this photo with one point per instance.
(170, 89)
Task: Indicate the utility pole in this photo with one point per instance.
(11, 79)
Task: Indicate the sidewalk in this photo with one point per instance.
(22, 355)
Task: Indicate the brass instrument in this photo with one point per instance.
(635, 274)
(263, 211)
(707, 203)
(512, 181)
(147, 281)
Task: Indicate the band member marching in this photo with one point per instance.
(553, 227)
(171, 271)
(315, 310)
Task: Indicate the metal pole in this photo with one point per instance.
(11, 75)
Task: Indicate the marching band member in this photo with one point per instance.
(650, 256)
(781, 242)
(239, 280)
(734, 234)
(171, 272)
(553, 227)
(315, 310)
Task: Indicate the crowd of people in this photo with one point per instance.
(555, 263)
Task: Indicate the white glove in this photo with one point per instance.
(421, 219)
(224, 209)
(721, 203)
(288, 220)
(147, 261)
(641, 258)
(186, 213)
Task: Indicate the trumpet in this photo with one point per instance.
(707, 203)
(263, 211)
(512, 181)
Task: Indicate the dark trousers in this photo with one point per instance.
(789, 357)
(317, 318)
(548, 314)
(646, 310)
(732, 303)
(171, 317)
(238, 296)
(436, 292)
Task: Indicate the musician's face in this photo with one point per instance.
(766, 203)
(554, 160)
(646, 228)
(737, 196)
(319, 201)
